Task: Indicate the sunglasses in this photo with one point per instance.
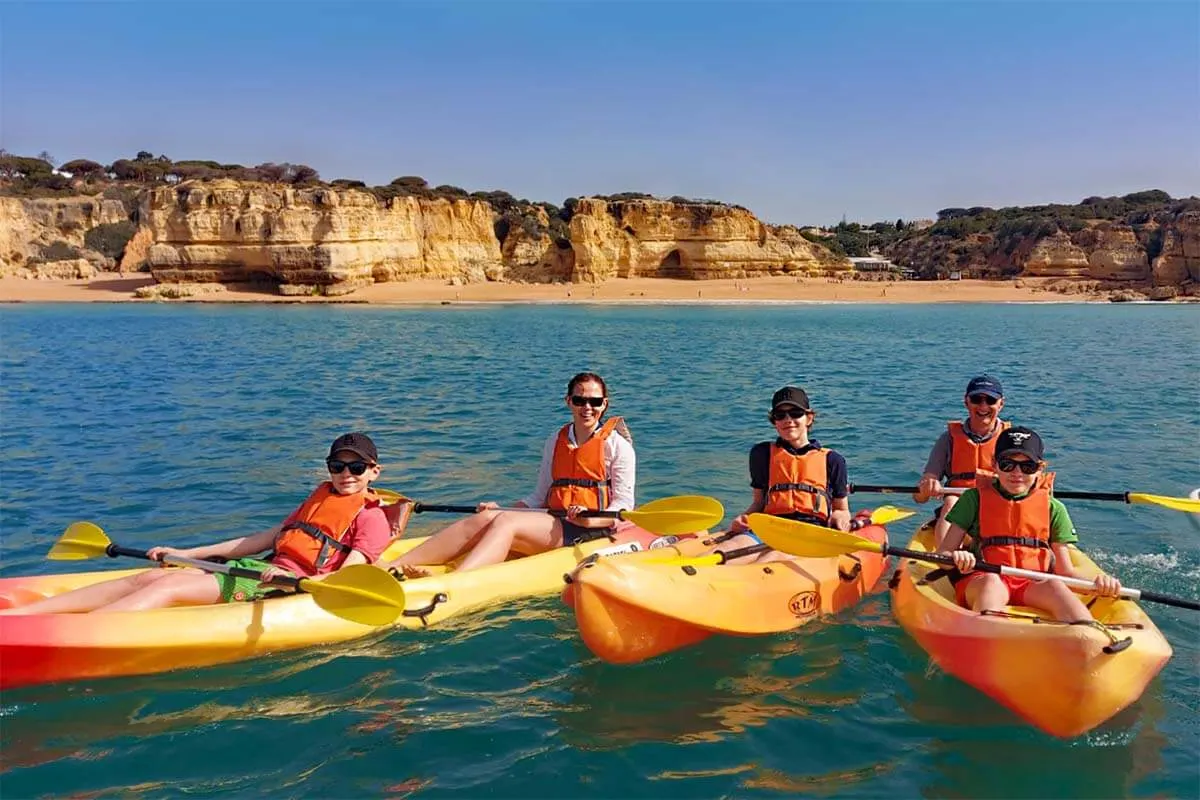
(794, 413)
(336, 467)
(978, 399)
(1008, 465)
(579, 401)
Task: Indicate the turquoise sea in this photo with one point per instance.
(188, 424)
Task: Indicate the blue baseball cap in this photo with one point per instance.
(985, 384)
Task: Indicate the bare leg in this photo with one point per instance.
(88, 598)
(447, 544)
(524, 532)
(987, 593)
(941, 527)
(1055, 597)
(183, 588)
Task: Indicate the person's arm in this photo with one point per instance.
(839, 491)
(961, 519)
(760, 475)
(230, 548)
(936, 466)
(537, 498)
(369, 537)
(622, 472)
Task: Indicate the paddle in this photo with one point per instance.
(880, 516)
(1132, 498)
(803, 539)
(360, 593)
(670, 515)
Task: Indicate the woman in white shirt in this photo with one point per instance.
(586, 465)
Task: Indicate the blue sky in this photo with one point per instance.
(800, 111)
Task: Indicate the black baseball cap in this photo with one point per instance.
(790, 395)
(357, 443)
(985, 384)
(1019, 440)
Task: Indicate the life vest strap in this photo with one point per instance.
(584, 482)
(801, 487)
(1012, 541)
(325, 539)
(961, 476)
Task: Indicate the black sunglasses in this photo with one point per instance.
(579, 401)
(977, 399)
(1008, 465)
(356, 467)
(794, 413)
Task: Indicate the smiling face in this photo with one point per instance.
(342, 467)
(982, 410)
(587, 402)
(792, 423)
(1012, 469)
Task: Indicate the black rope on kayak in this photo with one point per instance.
(1114, 645)
(425, 611)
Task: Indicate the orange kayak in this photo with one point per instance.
(1056, 676)
(639, 606)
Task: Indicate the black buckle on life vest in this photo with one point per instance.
(586, 483)
(1013, 541)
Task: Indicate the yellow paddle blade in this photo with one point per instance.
(886, 515)
(361, 593)
(677, 515)
(804, 539)
(79, 541)
(1174, 503)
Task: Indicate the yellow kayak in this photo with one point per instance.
(1055, 675)
(46, 648)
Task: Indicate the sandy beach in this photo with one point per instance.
(116, 288)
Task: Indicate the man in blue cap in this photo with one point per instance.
(965, 449)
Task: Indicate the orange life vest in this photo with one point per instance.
(1016, 533)
(969, 458)
(798, 484)
(578, 474)
(320, 526)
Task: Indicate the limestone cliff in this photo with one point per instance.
(315, 239)
(49, 237)
(1156, 249)
(654, 238)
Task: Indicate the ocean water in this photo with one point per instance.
(188, 424)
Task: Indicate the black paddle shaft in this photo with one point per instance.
(420, 507)
(868, 488)
(115, 550)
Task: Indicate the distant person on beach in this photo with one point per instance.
(1015, 521)
(586, 465)
(964, 450)
(340, 524)
(793, 476)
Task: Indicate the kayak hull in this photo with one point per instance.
(1013, 657)
(636, 607)
(48, 648)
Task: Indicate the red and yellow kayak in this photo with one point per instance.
(640, 606)
(1054, 675)
(46, 648)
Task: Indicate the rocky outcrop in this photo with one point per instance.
(1160, 250)
(654, 238)
(315, 239)
(1179, 260)
(36, 234)
(336, 241)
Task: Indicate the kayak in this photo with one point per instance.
(639, 606)
(47, 648)
(1055, 675)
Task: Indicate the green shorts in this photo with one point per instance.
(239, 590)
